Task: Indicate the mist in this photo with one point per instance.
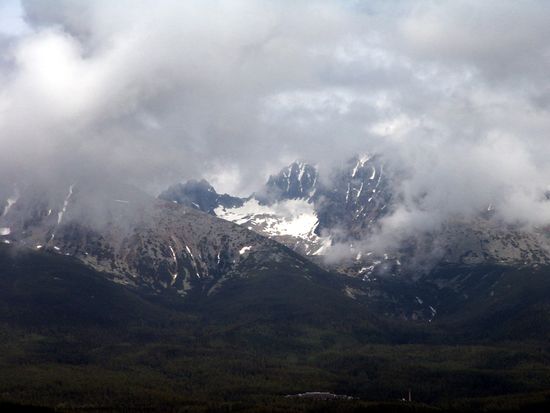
(453, 94)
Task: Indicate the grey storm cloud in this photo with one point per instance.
(455, 94)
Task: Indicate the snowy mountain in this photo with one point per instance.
(298, 209)
(303, 211)
(159, 245)
(336, 213)
(194, 240)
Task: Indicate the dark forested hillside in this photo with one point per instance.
(73, 340)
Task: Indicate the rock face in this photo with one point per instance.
(346, 203)
(356, 196)
(296, 181)
(138, 240)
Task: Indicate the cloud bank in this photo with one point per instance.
(453, 93)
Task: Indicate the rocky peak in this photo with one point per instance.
(296, 181)
(199, 195)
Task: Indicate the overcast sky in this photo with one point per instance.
(155, 92)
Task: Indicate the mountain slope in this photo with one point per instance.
(137, 240)
(43, 290)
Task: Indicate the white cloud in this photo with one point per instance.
(455, 93)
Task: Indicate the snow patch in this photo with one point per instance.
(63, 210)
(360, 190)
(189, 252)
(245, 249)
(173, 253)
(5, 231)
(288, 219)
(65, 204)
(360, 163)
(301, 175)
(175, 273)
(11, 202)
(295, 217)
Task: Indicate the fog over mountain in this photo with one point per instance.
(453, 95)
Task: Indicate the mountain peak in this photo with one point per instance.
(295, 181)
(199, 194)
